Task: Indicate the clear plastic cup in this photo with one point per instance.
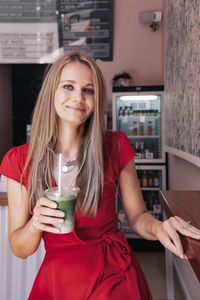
(65, 198)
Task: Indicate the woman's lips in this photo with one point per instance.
(76, 108)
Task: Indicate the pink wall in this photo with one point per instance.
(136, 48)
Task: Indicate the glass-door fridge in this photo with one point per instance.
(152, 179)
(138, 112)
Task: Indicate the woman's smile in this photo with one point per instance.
(79, 109)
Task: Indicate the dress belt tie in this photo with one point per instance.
(118, 253)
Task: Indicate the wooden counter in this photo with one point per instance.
(3, 199)
(185, 204)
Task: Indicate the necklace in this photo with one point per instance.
(69, 166)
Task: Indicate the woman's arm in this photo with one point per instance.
(143, 223)
(25, 231)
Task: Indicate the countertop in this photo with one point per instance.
(185, 204)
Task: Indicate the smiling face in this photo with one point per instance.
(74, 96)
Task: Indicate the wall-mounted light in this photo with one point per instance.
(151, 18)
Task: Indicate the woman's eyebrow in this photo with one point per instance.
(67, 80)
(72, 81)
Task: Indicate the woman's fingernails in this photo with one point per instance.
(60, 221)
(61, 214)
(183, 256)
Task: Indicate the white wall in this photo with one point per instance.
(183, 175)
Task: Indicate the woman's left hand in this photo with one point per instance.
(168, 231)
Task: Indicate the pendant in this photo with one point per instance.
(69, 166)
(65, 169)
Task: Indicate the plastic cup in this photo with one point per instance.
(66, 201)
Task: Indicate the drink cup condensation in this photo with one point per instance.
(66, 198)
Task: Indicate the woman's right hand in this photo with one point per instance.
(46, 216)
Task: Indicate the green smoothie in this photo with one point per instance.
(66, 200)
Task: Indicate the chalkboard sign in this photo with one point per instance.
(87, 26)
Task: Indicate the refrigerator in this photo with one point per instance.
(139, 112)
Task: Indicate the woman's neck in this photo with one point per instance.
(68, 143)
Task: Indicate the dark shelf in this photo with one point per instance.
(145, 245)
(146, 88)
(26, 82)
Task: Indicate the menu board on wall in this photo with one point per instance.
(87, 26)
(38, 31)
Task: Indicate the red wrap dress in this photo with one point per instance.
(94, 262)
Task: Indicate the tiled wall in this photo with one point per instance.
(182, 76)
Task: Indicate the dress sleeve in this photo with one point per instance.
(126, 151)
(11, 165)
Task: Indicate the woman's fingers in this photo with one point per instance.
(50, 220)
(172, 227)
(173, 241)
(185, 228)
(43, 227)
(46, 215)
(45, 207)
(44, 211)
(46, 202)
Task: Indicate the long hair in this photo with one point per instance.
(44, 135)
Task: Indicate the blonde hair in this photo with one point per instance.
(44, 136)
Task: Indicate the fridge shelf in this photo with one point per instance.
(143, 117)
(150, 188)
(149, 161)
(132, 236)
(143, 136)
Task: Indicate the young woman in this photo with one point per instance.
(94, 262)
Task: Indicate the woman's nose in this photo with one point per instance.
(79, 96)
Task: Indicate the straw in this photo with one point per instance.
(59, 170)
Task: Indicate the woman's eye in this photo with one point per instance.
(89, 91)
(68, 87)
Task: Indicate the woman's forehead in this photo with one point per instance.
(76, 71)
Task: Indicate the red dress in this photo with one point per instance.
(94, 262)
